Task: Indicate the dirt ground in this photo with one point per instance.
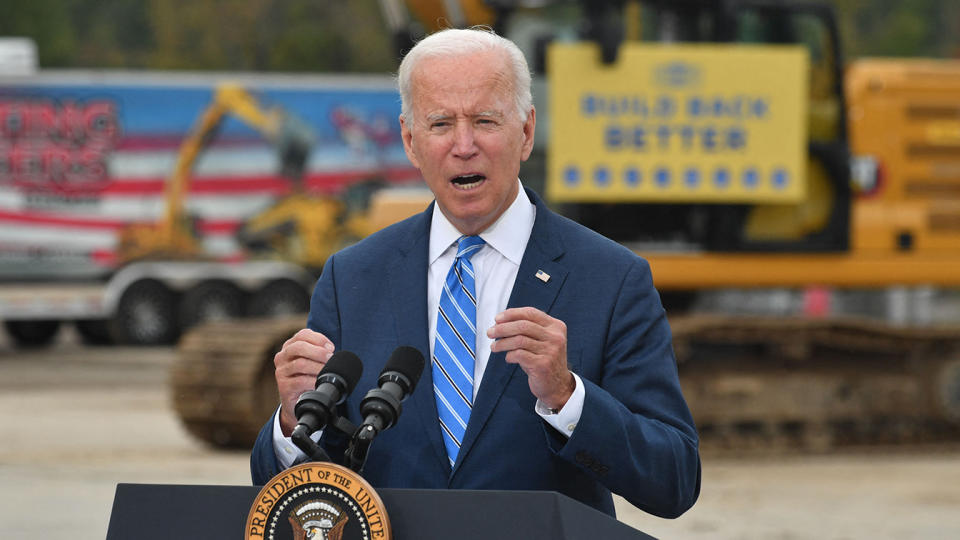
(78, 420)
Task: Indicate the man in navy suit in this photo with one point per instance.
(574, 383)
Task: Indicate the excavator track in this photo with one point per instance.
(782, 384)
(753, 384)
(222, 383)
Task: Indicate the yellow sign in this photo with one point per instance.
(678, 123)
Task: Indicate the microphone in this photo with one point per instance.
(316, 408)
(381, 406)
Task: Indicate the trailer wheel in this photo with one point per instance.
(210, 301)
(32, 333)
(278, 298)
(146, 315)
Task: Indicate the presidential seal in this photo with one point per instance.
(317, 501)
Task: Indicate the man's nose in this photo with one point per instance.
(464, 145)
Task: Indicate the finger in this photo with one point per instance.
(310, 336)
(293, 387)
(300, 367)
(524, 313)
(518, 328)
(522, 343)
(302, 349)
(522, 357)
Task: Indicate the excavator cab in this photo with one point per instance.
(818, 223)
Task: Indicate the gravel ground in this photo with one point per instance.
(78, 420)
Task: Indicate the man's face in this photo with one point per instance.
(465, 136)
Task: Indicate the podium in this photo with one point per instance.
(162, 512)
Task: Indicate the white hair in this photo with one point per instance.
(454, 42)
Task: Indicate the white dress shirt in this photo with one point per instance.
(495, 266)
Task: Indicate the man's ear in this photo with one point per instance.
(528, 129)
(406, 133)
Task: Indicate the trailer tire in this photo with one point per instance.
(146, 315)
(212, 300)
(279, 298)
(32, 333)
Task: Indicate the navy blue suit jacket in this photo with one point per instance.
(635, 437)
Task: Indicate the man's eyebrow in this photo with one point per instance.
(487, 114)
(482, 114)
(437, 116)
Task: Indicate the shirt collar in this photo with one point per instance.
(508, 235)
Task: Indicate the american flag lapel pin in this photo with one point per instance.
(542, 276)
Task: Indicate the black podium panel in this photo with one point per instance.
(155, 511)
(481, 515)
(163, 512)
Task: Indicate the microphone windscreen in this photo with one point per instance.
(345, 364)
(406, 361)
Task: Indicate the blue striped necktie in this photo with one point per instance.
(454, 352)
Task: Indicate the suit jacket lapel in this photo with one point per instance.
(408, 287)
(542, 254)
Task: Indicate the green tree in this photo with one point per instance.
(266, 35)
(929, 28)
(47, 22)
(284, 35)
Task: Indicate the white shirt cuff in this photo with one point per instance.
(565, 421)
(288, 453)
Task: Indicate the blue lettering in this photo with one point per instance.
(709, 137)
(736, 138)
(665, 107)
(686, 134)
(718, 108)
(571, 175)
(759, 108)
(588, 105)
(663, 136)
(639, 138)
(695, 107)
(613, 137)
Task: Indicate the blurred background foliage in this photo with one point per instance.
(247, 35)
(349, 36)
(927, 28)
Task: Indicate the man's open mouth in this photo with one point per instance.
(468, 181)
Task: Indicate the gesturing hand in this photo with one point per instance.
(297, 364)
(538, 343)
